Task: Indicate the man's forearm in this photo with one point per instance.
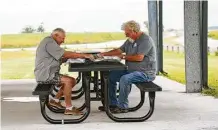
(136, 58)
(73, 55)
(112, 53)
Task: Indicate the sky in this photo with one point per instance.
(89, 15)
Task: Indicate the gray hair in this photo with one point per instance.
(57, 30)
(132, 25)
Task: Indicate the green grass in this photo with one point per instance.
(174, 65)
(31, 40)
(20, 65)
(17, 65)
(213, 34)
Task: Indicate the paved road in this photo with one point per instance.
(174, 110)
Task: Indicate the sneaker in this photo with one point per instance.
(119, 110)
(74, 111)
(101, 108)
(56, 104)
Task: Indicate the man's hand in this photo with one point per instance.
(63, 60)
(89, 56)
(98, 56)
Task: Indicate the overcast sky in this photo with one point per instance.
(88, 15)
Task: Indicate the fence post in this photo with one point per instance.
(178, 49)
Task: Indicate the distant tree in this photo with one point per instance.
(171, 30)
(28, 29)
(41, 28)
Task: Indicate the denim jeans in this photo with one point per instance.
(125, 79)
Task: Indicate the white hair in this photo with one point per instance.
(132, 25)
(57, 30)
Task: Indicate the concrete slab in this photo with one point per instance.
(174, 110)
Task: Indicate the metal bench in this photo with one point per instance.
(144, 87)
(43, 91)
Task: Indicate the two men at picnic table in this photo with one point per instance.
(140, 57)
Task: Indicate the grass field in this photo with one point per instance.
(31, 40)
(213, 34)
(174, 65)
(20, 65)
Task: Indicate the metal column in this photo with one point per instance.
(204, 44)
(192, 29)
(160, 36)
(153, 26)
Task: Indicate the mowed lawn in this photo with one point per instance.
(33, 39)
(17, 65)
(213, 34)
(20, 65)
(174, 65)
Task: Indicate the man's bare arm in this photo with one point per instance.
(114, 52)
(118, 52)
(74, 55)
(133, 58)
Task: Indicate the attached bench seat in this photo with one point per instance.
(148, 87)
(44, 90)
(144, 87)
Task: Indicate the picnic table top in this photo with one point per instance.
(96, 66)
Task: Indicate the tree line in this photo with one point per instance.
(31, 29)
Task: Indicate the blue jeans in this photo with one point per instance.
(125, 79)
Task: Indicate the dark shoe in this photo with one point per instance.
(111, 107)
(119, 110)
